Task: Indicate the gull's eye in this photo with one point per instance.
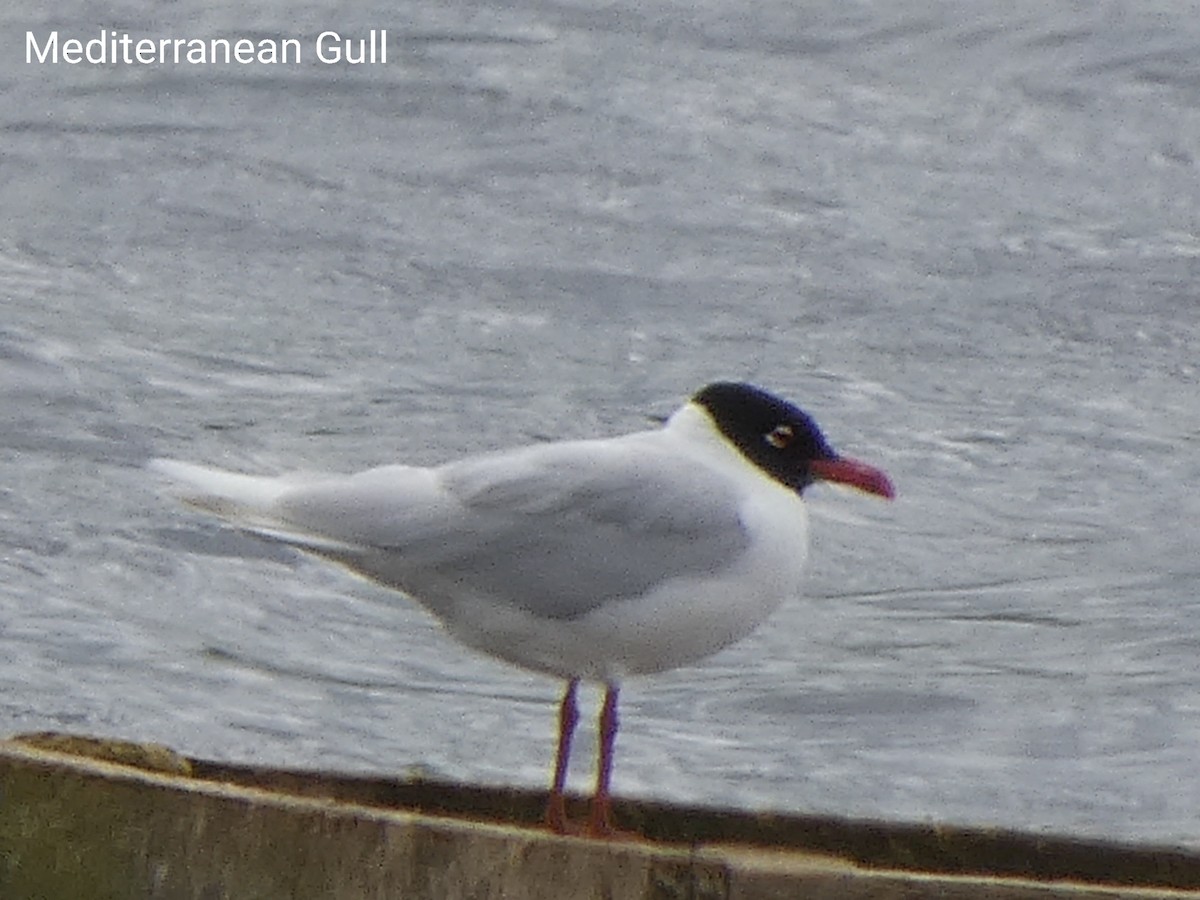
(779, 436)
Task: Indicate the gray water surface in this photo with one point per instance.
(963, 236)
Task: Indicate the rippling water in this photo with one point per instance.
(964, 236)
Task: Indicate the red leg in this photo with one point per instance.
(568, 716)
(600, 821)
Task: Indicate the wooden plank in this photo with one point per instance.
(130, 821)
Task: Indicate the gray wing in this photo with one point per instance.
(556, 529)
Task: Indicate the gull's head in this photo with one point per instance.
(782, 440)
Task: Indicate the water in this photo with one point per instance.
(963, 236)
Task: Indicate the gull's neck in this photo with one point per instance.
(696, 432)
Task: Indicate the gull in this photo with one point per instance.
(594, 559)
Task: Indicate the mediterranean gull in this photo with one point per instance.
(584, 559)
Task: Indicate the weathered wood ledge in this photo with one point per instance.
(90, 818)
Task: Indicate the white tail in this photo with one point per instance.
(249, 502)
(230, 495)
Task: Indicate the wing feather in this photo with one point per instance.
(554, 529)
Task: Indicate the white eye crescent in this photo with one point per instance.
(779, 436)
